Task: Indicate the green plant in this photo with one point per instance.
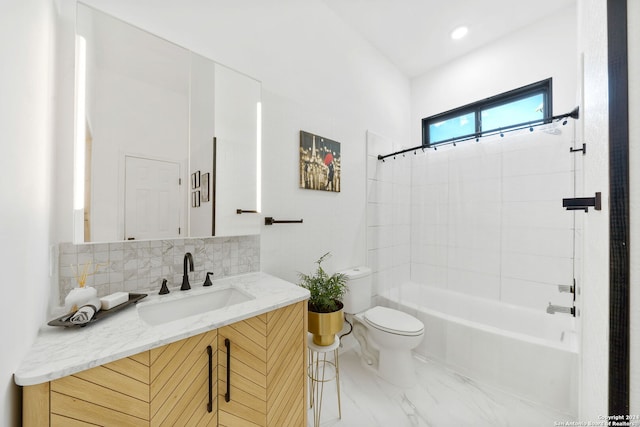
(326, 291)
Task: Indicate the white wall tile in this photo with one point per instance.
(477, 260)
(378, 170)
(545, 157)
(429, 254)
(534, 295)
(380, 237)
(402, 234)
(430, 275)
(543, 187)
(484, 285)
(471, 236)
(379, 214)
(538, 241)
(547, 214)
(434, 234)
(536, 268)
(480, 214)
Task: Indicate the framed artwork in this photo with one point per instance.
(195, 180)
(320, 163)
(204, 187)
(195, 199)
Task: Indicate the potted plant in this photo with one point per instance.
(325, 306)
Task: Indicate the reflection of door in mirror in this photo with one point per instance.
(152, 199)
(149, 98)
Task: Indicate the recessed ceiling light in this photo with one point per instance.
(459, 33)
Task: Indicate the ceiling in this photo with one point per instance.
(415, 34)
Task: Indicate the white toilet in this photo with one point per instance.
(386, 336)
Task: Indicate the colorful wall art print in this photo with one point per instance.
(319, 163)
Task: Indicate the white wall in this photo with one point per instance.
(592, 46)
(480, 210)
(634, 163)
(542, 50)
(317, 75)
(26, 164)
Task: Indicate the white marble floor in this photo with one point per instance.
(442, 398)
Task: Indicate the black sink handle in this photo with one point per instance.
(207, 281)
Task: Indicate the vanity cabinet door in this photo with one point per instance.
(261, 371)
(183, 382)
(175, 384)
(115, 394)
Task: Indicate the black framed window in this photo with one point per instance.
(520, 107)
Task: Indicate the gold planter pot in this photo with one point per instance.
(325, 326)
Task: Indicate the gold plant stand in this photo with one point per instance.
(320, 371)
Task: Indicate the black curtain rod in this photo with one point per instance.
(574, 114)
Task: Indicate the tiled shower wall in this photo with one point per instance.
(140, 266)
(388, 215)
(487, 217)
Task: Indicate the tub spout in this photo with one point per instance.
(553, 309)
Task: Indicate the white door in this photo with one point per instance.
(152, 199)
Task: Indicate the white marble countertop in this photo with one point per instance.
(58, 352)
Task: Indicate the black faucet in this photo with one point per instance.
(185, 276)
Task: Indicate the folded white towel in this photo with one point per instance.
(85, 313)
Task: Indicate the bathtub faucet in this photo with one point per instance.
(553, 309)
(567, 288)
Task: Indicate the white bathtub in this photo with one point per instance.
(527, 352)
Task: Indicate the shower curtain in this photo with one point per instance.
(487, 217)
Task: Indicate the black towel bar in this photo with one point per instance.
(270, 221)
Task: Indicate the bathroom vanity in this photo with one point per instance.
(243, 364)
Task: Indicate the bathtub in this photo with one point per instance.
(527, 352)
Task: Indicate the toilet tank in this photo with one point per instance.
(359, 289)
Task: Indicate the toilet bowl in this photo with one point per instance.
(386, 336)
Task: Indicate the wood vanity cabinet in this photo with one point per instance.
(184, 383)
(262, 370)
(153, 388)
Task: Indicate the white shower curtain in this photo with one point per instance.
(487, 217)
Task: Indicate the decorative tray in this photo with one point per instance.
(64, 320)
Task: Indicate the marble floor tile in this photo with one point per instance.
(441, 398)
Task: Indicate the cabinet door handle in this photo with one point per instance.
(210, 404)
(227, 395)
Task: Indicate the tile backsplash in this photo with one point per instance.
(140, 266)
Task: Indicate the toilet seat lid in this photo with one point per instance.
(393, 321)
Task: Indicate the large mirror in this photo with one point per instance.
(167, 141)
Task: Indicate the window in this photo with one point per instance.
(518, 108)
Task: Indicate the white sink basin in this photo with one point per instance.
(156, 313)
